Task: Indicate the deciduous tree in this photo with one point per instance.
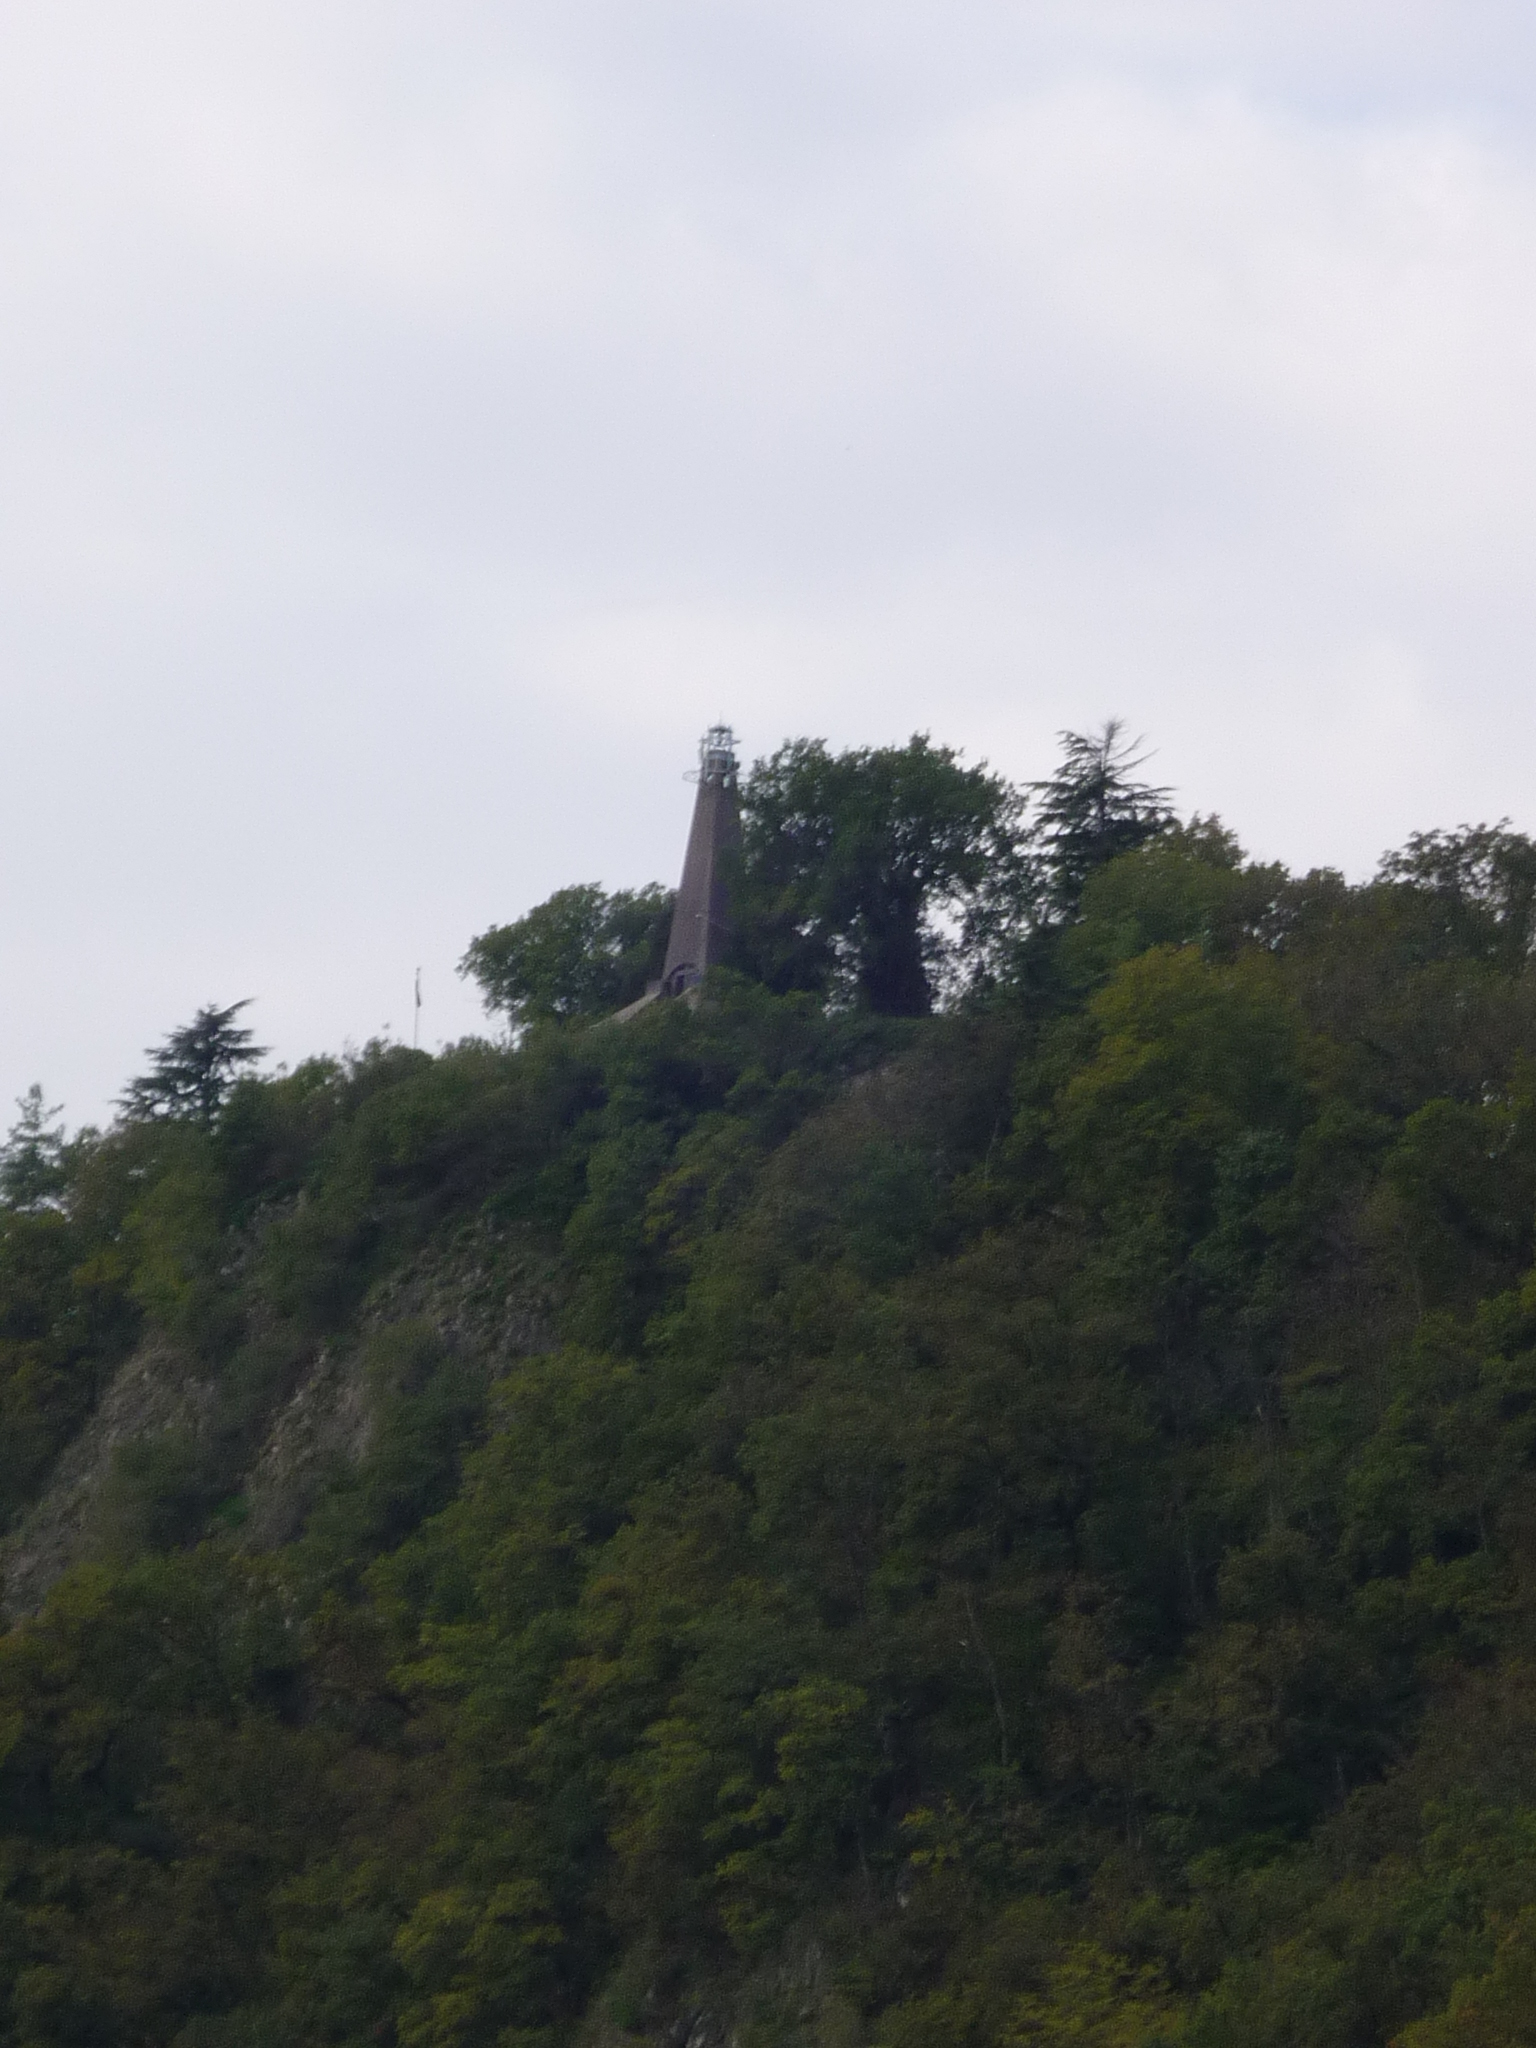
(581, 953)
(863, 874)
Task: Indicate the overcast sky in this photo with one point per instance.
(417, 422)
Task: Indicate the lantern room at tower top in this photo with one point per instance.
(717, 756)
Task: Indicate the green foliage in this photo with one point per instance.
(1012, 1525)
(580, 954)
(853, 864)
(1097, 1999)
(426, 1405)
(1474, 889)
(1496, 2010)
(46, 1384)
(192, 1072)
(1186, 885)
(153, 1498)
(1091, 811)
(33, 1172)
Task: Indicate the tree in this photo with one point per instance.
(866, 874)
(192, 1073)
(32, 1165)
(1089, 811)
(1474, 889)
(1493, 2011)
(581, 953)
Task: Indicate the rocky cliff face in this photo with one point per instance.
(484, 1290)
(156, 1394)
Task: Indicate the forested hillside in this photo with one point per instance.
(976, 1487)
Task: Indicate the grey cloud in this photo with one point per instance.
(415, 427)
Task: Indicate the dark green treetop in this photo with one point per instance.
(1475, 886)
(33, 1171)
(1091, 810)
(582, 953)
(192, 1072)
(863, 872)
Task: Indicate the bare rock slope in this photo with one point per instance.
(485, 1291)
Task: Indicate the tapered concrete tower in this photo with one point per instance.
(701, 919)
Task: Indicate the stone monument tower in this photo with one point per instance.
(700, 919)
(700, 915)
